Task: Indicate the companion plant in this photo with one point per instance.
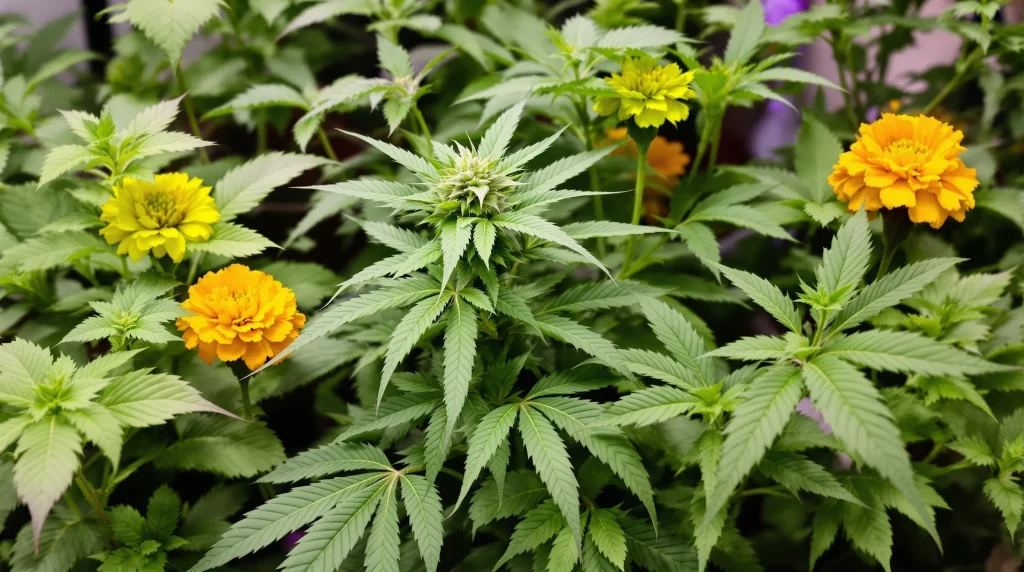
(405, 285)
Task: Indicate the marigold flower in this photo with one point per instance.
(903, 161)
(159, 216)
(648, 92)
(239, 313)
(666, 157)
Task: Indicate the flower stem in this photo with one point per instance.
(242, 373)
(424, 130)
(887, 253)
(638, 204)
(702, 146)
(966, 66)
(90, 496)
(326, 144)
(190, 112)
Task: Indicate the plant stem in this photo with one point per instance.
(190, 112)
(716, 138)
(243, 386)
(887, 253)
(424, 130)
(595, 183)
(702, 146)
(326, 143)
(71, 504)
(242, 373)
(90, 496)
(966, 66)
(680, 16)
(638, 204)
(851, 113)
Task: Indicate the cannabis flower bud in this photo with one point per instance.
(473, 184)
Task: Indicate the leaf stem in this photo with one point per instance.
(424, 130)
(326, 143)
(90, 496)
(190, 112)
(638, 204)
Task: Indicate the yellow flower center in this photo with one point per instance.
(165, 207)
(908, 150)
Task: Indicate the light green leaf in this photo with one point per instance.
(540, 525)
(100, 426)
(233, 241)
(859, 417)
(327, 460)
(423, 505)
(798, 473)
(651, 405)
(753, 348)
(280, 515)
(329, 541)
(582, 338)
(639, 37)
(890, 290)
(487, 437)
(824, 529)
(757, 421)
(22, 365)
(495, 141)
(547, 452)
(229, 447)
(62, 159)
(408, 332)
(606, 534)
(262, 96)
(746, 34)
(817, 150)
(794, 75)
(907, 352)
(766, 295)
(245, 186)
(141, 399)
(455, 238)
(679, 337)
(382, 546)
(601, 295)
(171, 23)
(844, 264)
(47, 457)
(535, 226)
(392, 412)
(1006, 494)
(564, 555)
(744, 216)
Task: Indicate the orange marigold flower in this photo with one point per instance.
(903, 161)
(239, 313)
(666, 157)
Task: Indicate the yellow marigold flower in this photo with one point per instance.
(648, 92)
(903, 161)
(239, 313)
(666, 157)
(160, 216)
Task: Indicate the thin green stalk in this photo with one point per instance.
(716, 139)
(90, 496)
(193, 269)
(424, 130)
(595, 183)
(326, 143)
(638, 205)
(702, 147)
(966, 66)
(680, 16)
(242, 373)
(887, 253)
(261, 135)
(190, 112)
(71, 504)
(243, 386)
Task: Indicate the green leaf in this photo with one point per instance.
(817, 150)
(563, 169)
(651, 405)
(408, 332)
(659, 366)
(142, 399)
(495, 141)
(746, 34)
(583, 339)
(869, 530)
(260, 97)
(564, 555)
(766, 295)
(454, 240)
(393, 58)
(423, 505)
(639, 37)
(11, 429)
(859, 417)
(407, 159)
(245, 186)
(907, 352)
(22, 365)
(329, 541)
(327, 460)
(280, 515)
(233, 241)
(709, 527)
(488, 435)
(744, 216)
(607, 228)
(844, 264)
(228, 447)
(521, 492)
(753, 348)
(890, 290)
(975, 450)
(601, 295)
(171, 23)
(47, 457)
(540, 525)
(547, 452)
(794, 75)
(824, 529)
(63, 159)
(533, 225)
(484, 234)
(680, 338)
(1006, 494)
(101, 427)
(50, 251)
(392, 412)
(163, 513)
(657, 550)
(128, 526)
(606, 534)
(701, 241)
(325, 11)
(769, 403)
(382, 546)
(798, 473)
